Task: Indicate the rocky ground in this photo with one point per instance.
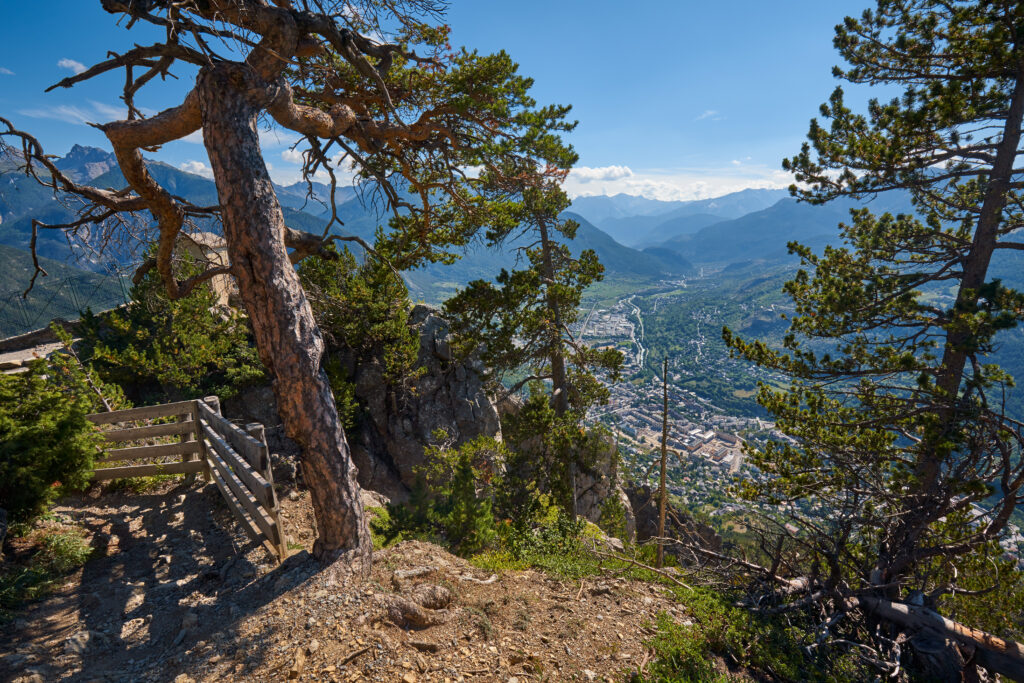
(176, 593)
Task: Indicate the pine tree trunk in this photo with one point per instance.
(559, 379)
(287, 336)
(662, 491)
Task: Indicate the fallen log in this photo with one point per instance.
(998, 655)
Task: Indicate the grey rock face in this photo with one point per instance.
(678, 523)
(399, 421)
(595, 486)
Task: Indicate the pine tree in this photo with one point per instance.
(895, 408)
(523, 322)
(370, 84)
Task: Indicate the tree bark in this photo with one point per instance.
(662, 492)
(559, 379)
(287, 336)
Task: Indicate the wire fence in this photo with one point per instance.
(66, 298)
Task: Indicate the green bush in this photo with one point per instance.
(160, 350)
(452, 500)
(364, 311)
(768, 648)
(46, 443)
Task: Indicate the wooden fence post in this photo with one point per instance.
(203, 454)
(213, 402)
(258, 432)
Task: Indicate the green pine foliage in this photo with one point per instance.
(722, 638)
(47, 445)
(898, 431)
(452, 501)
(547, 446)
(475, 112)
(363, 311)
(521, 323)
(160, 349)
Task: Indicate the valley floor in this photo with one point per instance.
(176, 594)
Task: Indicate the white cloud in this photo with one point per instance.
(6, 72)
(682, 184)
(108, 111)
(71, 65)
(195, 137)
(586, 174)
(71, 113)
(292, 156)
(709, 114)
(63, 112)
(197, 167)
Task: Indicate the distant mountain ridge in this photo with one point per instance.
(763, 235)
(22, 199)
(83, 164)
(636, 221)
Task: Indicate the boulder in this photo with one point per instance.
(398, 421)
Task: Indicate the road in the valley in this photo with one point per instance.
(641, 351)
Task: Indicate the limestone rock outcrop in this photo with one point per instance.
(598, 488)
(397, 422)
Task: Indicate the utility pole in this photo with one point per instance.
(663, 494)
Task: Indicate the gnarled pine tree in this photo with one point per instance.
(900, 437)
(523, 322)
(410, 123)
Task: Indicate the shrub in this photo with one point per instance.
(769, 648)
(162, 349)
(61, 550)
(363, 312)
(46, 442)
(452, 501)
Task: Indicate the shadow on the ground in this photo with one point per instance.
(172, 569)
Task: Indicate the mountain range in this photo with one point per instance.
(22, 199)
(635, 238)
(637, 222)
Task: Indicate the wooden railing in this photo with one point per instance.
(137, 425)
(236, 460)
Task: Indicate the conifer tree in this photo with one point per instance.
(523, 320)
(369, 84)
(903, 460)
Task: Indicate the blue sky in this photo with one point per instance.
(676, 100)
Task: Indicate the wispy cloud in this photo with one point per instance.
(6, 72)
(108, 111)
(292, 156)
(197, 167)
(195, 137)
(63, 112)
(71, 65)
(81, 115)
(708, 114)
(586, 174)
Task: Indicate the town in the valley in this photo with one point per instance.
(705, 444)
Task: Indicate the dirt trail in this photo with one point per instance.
(179, 595)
